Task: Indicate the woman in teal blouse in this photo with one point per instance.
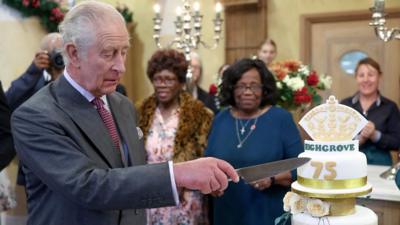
(249, 132)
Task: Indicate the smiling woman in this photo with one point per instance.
(382, 133)
(175, 127)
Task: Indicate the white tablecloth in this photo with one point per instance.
(382, 189)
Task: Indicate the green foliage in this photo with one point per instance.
(49, 12)
(126, 13)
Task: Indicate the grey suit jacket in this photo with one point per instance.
(73, 175)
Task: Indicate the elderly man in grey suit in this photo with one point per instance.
(82, 153)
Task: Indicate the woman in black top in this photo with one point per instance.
(382, 133)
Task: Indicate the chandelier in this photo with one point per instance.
(188, 24)
(378, 22)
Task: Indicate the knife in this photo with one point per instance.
(254, 173)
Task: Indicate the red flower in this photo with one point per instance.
(292, 65)
(301, 96)
(213, 89)
(56, 15)
(279, 70)
(312, 79)
(35, 3)
(25, 3)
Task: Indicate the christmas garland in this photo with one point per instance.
(50, 12)
(125, 12)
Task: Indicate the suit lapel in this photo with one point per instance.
(86, 117)
(126, 127)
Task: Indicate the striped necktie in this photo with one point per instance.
(108, 121)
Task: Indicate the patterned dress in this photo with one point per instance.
(7, 200)
(160, 148)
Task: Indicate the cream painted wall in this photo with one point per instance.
(284, 19)
(19, 40)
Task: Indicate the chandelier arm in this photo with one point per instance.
(168, 45)
(214, 45)
(386, 34)
(396, 33)
(378, 22)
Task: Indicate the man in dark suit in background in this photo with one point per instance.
(47, 66)
(197, 92)
(7, 151)
(82, 153)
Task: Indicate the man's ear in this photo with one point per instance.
(72, 53)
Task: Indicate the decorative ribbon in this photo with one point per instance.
(283, 219)
(341, 207)
(332, 184)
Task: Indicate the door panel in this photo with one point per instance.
(331, 40)
(245, 29)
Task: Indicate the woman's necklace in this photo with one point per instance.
(252, 128)
(243, 127)
(240, 132)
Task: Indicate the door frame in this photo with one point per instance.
(308, 20)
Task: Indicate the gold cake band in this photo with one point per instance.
(341, 207)
(332, 184)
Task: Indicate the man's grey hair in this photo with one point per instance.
(195, 55)
(82, 21)
(51, 41)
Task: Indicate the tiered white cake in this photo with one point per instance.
(326, 187)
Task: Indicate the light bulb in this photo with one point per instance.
(196, 6)
(218, 7)
(157, 8)
(178, 11)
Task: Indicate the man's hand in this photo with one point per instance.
(217, 193)
(41, 60)
(205, 174)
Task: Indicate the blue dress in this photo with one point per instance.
(275, 137)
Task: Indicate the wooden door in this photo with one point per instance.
(331, 40)
(245, 28)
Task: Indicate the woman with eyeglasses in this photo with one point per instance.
(251, 131)
(175, 128)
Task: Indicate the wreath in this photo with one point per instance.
(50, 12)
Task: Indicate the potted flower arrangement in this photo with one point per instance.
(298, 85)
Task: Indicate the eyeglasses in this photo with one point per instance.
(168, 81)
(255, 88)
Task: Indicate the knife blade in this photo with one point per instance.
(254, 173)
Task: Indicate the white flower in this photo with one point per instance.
(304, 70)
(317, 208)
(279, 85)
(294, 203)
(326, 81)
(294, 83)
(286, 201)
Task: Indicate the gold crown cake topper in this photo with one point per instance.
(332, 122)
